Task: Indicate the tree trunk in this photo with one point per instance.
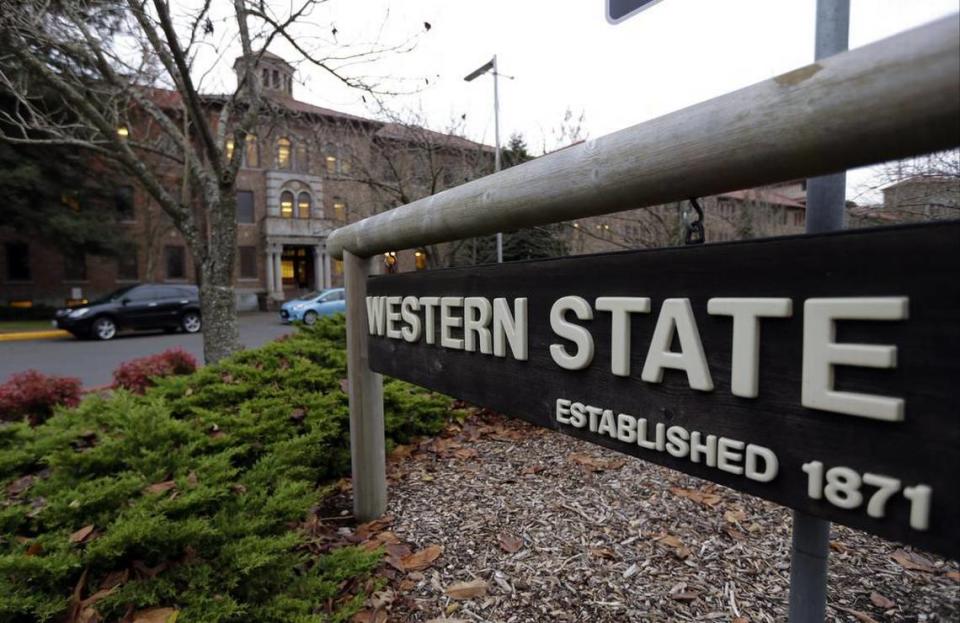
(217, 300)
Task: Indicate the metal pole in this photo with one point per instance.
(496, 138)
(826, 207)
(367, 452)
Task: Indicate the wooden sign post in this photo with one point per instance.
(819, 372)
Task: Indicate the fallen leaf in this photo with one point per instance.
(419, 561)
(377, 615)
(467, 590)
(880, 601)
(160, 487)
(670, 540)
(192, 478)
(953, 575)
(298, 415)
(465, 453)
(839, 547)
(18, 486)
(510, 544)
(913, 561)
(603, 552)
(238, 488)
(156, 615)
(532, 469)
(701, 497)
(87, 614)
(734, 516)
(863, 617)
(401, 452)
(596, 464)
(82, 534)
(366, 530)
(740, 620)
(35, 549)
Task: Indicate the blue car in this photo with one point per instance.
(308, 308)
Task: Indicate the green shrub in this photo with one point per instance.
(194, 491)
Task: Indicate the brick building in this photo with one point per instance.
(306, 170)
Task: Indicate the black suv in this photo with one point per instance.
(143, 306)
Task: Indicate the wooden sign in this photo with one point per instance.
(820, 372)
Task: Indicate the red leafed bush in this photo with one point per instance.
(137, 375)
(33, 395)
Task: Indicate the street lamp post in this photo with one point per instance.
(491, 66)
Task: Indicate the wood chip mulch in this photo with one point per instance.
(503, 522)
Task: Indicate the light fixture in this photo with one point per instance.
(123, 132)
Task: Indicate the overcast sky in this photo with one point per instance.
(565, 55)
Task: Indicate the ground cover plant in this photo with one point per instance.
(189, 501)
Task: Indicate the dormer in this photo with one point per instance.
(275, 73)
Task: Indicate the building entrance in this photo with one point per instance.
(296, 265)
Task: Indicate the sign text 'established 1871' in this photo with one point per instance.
(819, 372)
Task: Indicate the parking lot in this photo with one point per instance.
(93, 362)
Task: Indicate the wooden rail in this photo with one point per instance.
(895, 98)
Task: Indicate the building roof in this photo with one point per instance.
(764, 195)
(166, 98)
(922, 180)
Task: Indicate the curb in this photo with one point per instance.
(32, 335)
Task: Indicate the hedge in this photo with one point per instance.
(189, 496)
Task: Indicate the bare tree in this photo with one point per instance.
(114, 65)
(921, 188)
(404, 161)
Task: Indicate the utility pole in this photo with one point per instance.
(491, 66)
(826, 207)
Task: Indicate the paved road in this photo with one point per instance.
(94, 362)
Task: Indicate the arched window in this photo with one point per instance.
(286, 204)
(304, 204)
(345, 160)
(330, 158)
(252, 154)
(302, 161)
(283, 153)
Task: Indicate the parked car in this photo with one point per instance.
(138, 307)
(308, 308)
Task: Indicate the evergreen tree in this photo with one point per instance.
(530, 243)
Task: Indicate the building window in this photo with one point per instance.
(345, 160)
(75, 266)
(127, 269)
(123, 132)
(340, 209)
(420, 259)
(303, 159)
(175, 262)
(229, 149)
(248, 262)
(286, 204)
(123, 200)
(245, 212)
(266, 77)
(304, 204)
(276, 79)
(330, 158)
(283, 153)
(337, 267)
(18, 261)
(252, 154)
